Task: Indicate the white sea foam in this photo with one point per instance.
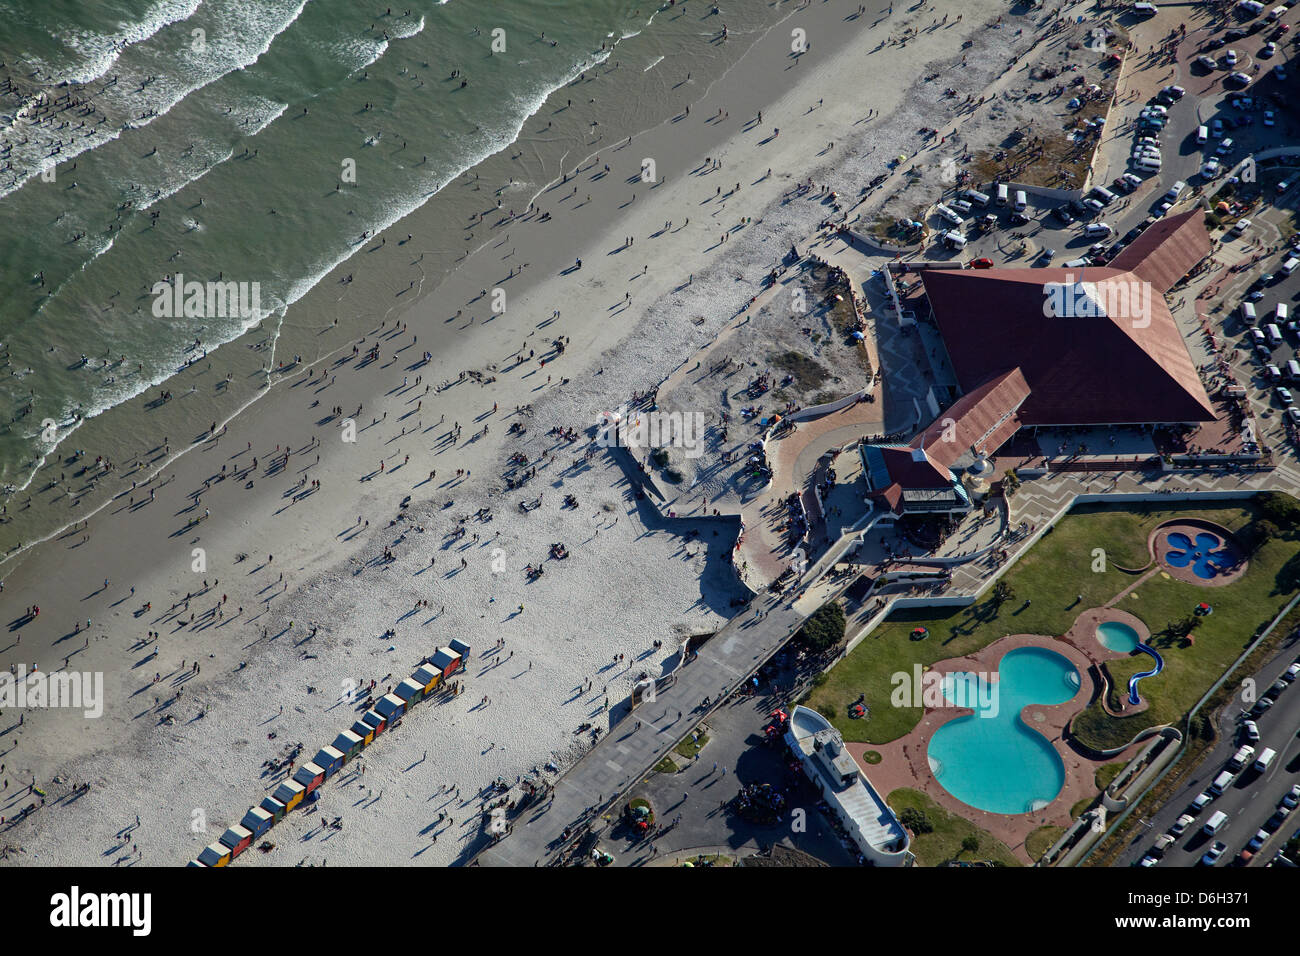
(653, 63)
(99, 52)
(224, 53)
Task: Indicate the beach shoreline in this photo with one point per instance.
(683, 269)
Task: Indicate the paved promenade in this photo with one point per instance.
(626, 753)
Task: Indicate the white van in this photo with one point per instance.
(1266, 758)
(975, 196)
(1215, 823)
(1021, 200)
(947, 214)
(1248, 313)
(1202, 135)
(1148, 164)
(1241, 226)
(1221, 783)
(1105, 195)
(1253, 7)
(1281, 314)
(1002, 194)
(1145, 9)
(954, 240)
(1274, 335)
(1097, 230)
(1293, 370)
(1276, 13)
(1078, 263)
(1289, 266)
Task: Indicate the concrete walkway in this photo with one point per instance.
(626, 753)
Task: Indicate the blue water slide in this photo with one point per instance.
(1133, 697)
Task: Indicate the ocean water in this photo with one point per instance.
(141, 139)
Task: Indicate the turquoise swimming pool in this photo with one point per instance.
(1118, 637)
(991, 760)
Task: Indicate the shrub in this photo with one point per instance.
(824, 629)
(915, 820)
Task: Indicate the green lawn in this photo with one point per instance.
(1054, 573)
(944, 842)
(693, 744)
(1108, 772)
(1041, 840)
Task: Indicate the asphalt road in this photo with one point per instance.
(1252, 797)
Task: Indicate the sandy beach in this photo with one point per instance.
(315, 606)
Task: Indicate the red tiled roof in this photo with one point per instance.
(909, 470)
(983, 418)
(1098, 369)
(1167, 250)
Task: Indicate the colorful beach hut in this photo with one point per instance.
(328, 759)
(446, 661)
(215, 854)
(410, 691)
(273, 807)
(310, 776)
(194, 863)
(349, 744)
(460, 647)
(257, 821)
(376, 720)
(237, 838)
(290, 793)
(365, 731)
(428, 677)
(391, 707)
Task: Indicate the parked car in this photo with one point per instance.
(1257, 841)
(1063, 214)
(1225, 147)
(1238, 79)
(1268, 49)
(1250, 729)
(1261, 705)
(1211, 856)
(1216, 127)
(1291, 673)
(1292, 797)
(1205, 62)
(1211, 169)
(1182, 823)
(1199, 803)
(1230, 58)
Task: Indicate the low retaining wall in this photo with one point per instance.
(815, 411)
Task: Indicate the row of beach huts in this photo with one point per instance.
(329, 760)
